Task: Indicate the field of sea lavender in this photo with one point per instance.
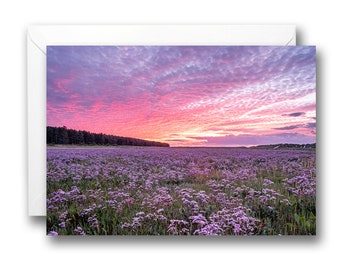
(181, 191)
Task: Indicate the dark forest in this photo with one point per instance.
(63, 135)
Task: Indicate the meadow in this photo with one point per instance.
(181, 191)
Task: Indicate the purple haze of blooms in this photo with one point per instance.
(154, 186)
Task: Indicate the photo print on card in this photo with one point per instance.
(181, 140)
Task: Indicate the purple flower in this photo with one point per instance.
(62, 224)
(79, 230)
(139, 214)
(267, 182)
(211, 229)
(199, 220)
(63, 215)
(93, 221)
(178, 227)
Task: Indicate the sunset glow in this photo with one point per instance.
(185, 95)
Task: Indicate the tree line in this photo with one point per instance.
(63, 135)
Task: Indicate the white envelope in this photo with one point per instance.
(38, 37)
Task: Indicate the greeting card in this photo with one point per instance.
(181, 140)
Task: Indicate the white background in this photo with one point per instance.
(23, 242)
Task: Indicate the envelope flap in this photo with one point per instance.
(45, 35)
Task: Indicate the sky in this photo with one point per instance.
(185, 95)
